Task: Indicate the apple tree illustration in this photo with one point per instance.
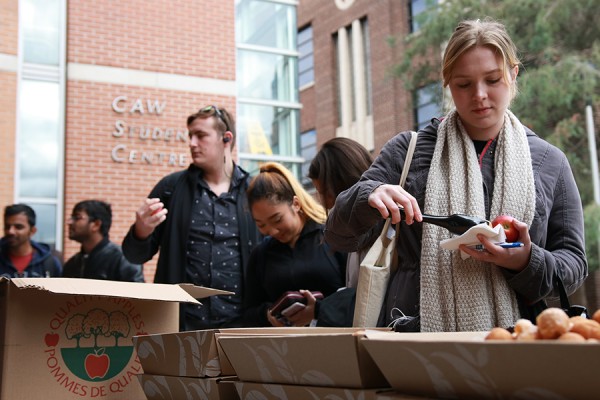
(74, 328)
(118, 326)
(96, 323)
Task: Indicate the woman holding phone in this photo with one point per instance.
(293, 257)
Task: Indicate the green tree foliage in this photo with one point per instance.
(592, 236)
(559, 45)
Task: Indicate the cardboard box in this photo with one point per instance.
(189, 354)
(196, 353)
(271, 391)
(68, 338)
(157, 387)
(304, 356)
(463, 365)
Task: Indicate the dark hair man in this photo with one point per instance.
(99, 258)
(20, 256)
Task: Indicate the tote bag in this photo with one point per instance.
(376, 267)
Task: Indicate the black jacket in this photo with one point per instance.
(176, 191)
(105, 261)
(556, 231)
(43, 264)
(276, 268)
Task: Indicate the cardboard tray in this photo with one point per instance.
(271, 391)
(463, 365)
(303, 356)
(190, 353)
(157, 387)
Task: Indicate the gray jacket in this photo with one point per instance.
(556, 232)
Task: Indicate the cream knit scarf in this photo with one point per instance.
(468, 295)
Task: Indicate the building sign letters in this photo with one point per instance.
(123, 153)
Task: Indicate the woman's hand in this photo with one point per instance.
(387, 198)
(307, 314)
(274, 321)
(514, 259)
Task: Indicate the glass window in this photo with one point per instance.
(266, 76)
(428, 100)
(417, 7)
(308, 150)
(45, 223)
(306, 61)
(40, 115)
(41, 34)
(267, 130)
(265, 23)
(267, 84)
(38, 139)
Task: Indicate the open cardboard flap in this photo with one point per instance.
(186, 293)
(200, 292)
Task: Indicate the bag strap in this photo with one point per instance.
(409, 155)
(565, 304)
(530, 311)
(388, 234)
(562, 292)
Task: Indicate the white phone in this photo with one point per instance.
(293, 309)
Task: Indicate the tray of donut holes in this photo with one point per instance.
(556, 358)
(552, 324)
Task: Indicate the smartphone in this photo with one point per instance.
(289, 298)
(293, 309)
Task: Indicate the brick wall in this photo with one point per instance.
(308, 114)
(8, 99)
(193, 38)
(392, 109)
(8, 90)
(9, 18)
(178, 37)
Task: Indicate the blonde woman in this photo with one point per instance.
(293, 256)
(478, 160)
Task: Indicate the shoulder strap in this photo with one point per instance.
(565, 304)
(389, 233)
(409, 155)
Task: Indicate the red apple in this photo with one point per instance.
(96, 365)
(51, 339)
(510, 230)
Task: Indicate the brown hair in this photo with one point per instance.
(488, 33)
(338, 165)
(224, 122)
(277, 184)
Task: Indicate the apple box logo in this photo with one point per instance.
(95, 346)
(89, 360)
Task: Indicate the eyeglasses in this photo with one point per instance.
(218, 113)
